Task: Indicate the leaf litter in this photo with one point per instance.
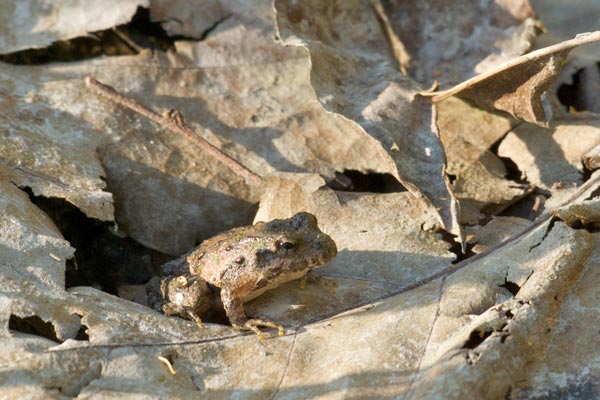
(394, 314)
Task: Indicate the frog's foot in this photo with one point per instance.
(253, 325)
(311, 276)
(194, 317)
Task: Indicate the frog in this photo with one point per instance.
(236, 266)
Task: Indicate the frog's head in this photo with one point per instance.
(297, 244)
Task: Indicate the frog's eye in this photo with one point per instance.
(287, 245)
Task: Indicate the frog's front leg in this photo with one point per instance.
(237, 316)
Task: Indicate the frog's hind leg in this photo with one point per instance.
(237, 316)
(253, 325)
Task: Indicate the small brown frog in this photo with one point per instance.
(239, 265)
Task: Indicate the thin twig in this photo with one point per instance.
(174, 122)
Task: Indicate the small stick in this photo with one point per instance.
(174, 122)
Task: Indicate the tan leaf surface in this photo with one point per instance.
(518, 86)
(258, 106)
(190, 18)
(495, 232)
(381, 246)
(27, 24)
(551, 159)
(355, 78)
(451, 41)
(49, 150)
(478, 174)
(587, 212)
(571, 365)
(390, 317)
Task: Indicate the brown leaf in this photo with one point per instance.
(478, 174)
(381, 245)
(586, 212)
(481, 36)
(31, 24)
(48, 150)
(254, 101)
(355, 77)
(551, 159)
(517, 86)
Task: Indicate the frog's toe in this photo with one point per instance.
(254, 324)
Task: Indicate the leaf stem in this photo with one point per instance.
(174, 122)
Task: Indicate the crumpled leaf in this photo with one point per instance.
(30, 242)
(481, 36)
(481, 347)
(570, 367)
(518, 86)
(563, 20)
(48, 150)
(478, 174)
(190, 18)
(586, 212)
(495, 232)
(355, 78)
(384, 251)
(169, 195)
(551, 160)
(591, 159)
(27, 24)
(513, 323)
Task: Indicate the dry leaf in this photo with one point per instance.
(355, 77)
(551, 159)
(27, 24)
(478, 174)
(518, 86)
(169, 195)
(390, 317)
(495, 232)
(479, 37)
(48, 150)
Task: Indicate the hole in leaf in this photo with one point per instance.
(82, 332)
(577, 95)
(370, 182)
(513, 288)
(102, 258)
(33, 325)
(476, 338)
(140, 32)
(451, 178)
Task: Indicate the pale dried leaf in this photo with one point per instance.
(30, 243)
(479, 36)
(457, 118)
(591, 159)
(48, 150)
(495, 232)
(169, 195)
(563, 20)
(355, 76)
(586, 212)
(551, 159)
(190, 18)
(570, 367)
(381, 246)
(480, 348)
(479, 175)
(27, 24)
(518, 86)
